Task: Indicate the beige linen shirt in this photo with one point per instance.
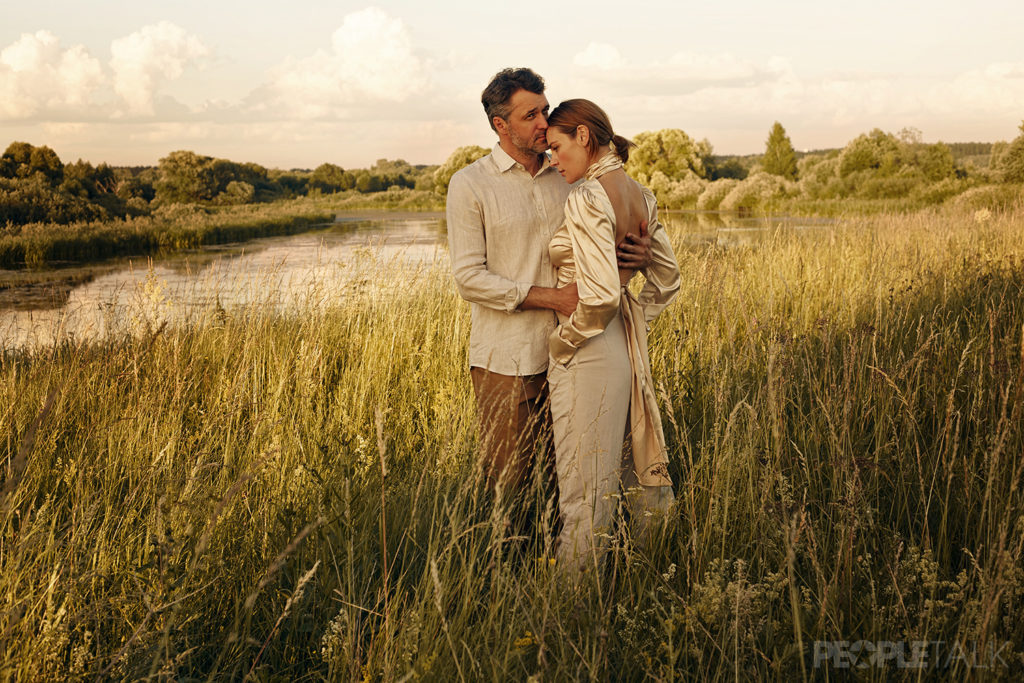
(500, 219)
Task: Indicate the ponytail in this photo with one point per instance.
(621, 146)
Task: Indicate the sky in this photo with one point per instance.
(299, 83)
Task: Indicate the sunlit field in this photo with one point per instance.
(298, 498)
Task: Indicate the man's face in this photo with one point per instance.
(527, 122)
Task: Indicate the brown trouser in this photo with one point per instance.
(515, 425)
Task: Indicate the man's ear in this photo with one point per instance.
(500, 125)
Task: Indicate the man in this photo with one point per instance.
(501, 212)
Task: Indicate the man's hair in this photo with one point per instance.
(503, 86)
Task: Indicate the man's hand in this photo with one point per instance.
(560, 299)
(634, 252)
(567, 298)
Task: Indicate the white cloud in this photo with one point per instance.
(143, 59)
(37, 76)
(599, 56)
(682, 72)
(370, 61)
(724, 97)
(996, 87)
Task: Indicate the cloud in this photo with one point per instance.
(142, 60)
(371, 61)
(722, 96)
(996, 87)
(600, 56)
(681, 73)
(37, 76)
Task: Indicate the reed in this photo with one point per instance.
(296, 496)
(169, 229)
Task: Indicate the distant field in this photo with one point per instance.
(297, 497)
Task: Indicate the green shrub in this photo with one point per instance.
(757, 191)
(714, 193)
(993, 197)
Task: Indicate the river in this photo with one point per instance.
(121, 296)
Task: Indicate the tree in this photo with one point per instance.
(330, 178)
(725, 168)
(369, 182)
(186, 177)
(1011, 162)
(876, 150)
(996, 154)
(936, 161)
(22, 160)
(237, 192)
(457, 160)
(779, 156)
(670, 151)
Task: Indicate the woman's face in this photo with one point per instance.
(569, 153)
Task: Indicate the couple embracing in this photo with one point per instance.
(543, 247)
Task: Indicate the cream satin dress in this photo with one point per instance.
(599, 377)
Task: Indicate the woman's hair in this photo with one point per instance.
(573, 113)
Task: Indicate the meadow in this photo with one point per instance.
(297, 497)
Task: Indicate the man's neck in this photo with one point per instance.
(530, 160)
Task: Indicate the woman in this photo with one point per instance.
(599, 372)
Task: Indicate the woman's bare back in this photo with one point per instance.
(630, 208)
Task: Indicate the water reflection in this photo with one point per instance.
(277, 272)
(701, 229)
(317, 267)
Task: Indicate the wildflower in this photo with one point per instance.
(526, 641)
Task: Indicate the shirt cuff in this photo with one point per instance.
(561, 350)
(516, 295)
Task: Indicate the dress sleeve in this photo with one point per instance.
(592, 232)
(467, 246)
(662, 276)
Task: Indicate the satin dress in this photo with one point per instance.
(599, 377)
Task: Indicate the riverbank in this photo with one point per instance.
(297, 496)
(171, 228)
(177, 227)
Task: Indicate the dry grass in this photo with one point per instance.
(296, 496)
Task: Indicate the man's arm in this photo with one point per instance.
(468, 249)
(467, 246)
(560, 299)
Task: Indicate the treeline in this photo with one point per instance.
(894, 171)
(876, 169)
(37, 187)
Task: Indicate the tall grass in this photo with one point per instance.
(298, 496)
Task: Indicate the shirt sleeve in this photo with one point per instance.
(662, 276)
(592, 233)
(467, 245)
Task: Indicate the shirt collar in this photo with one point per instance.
(504, 162)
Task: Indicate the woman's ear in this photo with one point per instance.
(583, 135)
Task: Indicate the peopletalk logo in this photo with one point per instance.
(915, 654)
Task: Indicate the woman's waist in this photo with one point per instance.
(625, 297)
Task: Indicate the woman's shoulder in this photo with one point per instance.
(587, 198)
(586, 190)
